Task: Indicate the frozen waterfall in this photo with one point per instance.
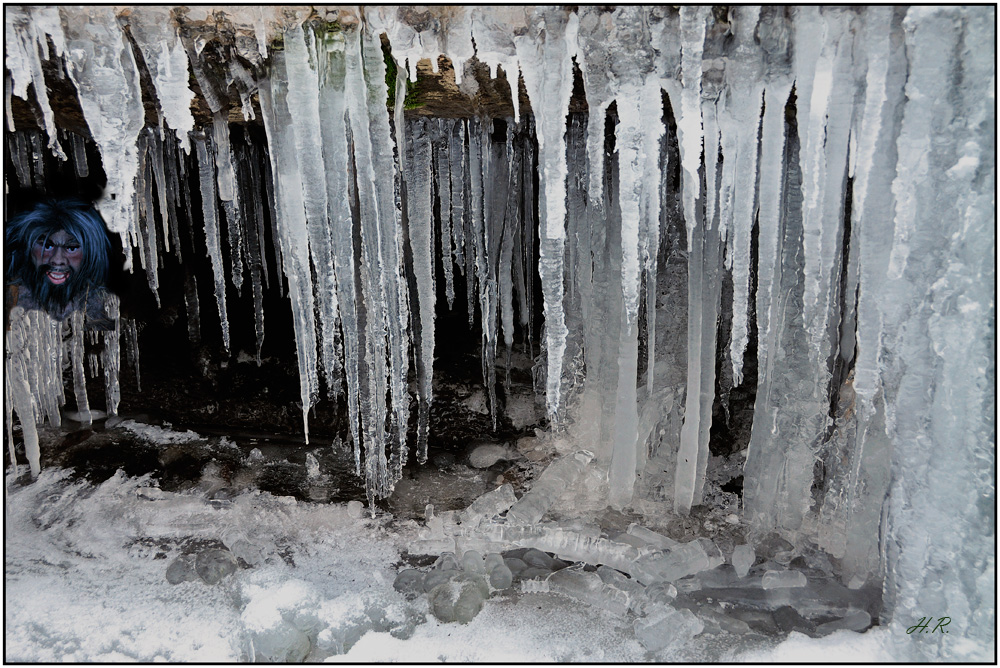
(820, 180)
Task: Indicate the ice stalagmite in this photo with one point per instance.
(79, 373)
(335, 151)
(419, 217)
(546, 65)
(213, 240)
(33, 373)
(101, 65)
(293, 235)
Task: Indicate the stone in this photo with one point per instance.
(181, 570)
(213, 565)
(409, 582)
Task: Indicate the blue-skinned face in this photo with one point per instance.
(58, 256)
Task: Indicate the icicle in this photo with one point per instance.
(510, 231)
(689, 126)
(147, 217)
(79, 150)
(155, 32)
(546, 65)
(227, 190)
(382, 287)
(130, 331)
(335, 149)
(456, 139)
(212, 237)
(445, 180)
(303, 107)
(739, 123)
(772, 141)
(26, 30)
(492, 28)
(292, 234)
(18, 154)
(419, 216)
(827, 83)
(704, 286)
(247, 161)
(101, 65)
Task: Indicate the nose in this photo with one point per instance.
(58, 256)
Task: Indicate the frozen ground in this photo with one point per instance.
(85, 581)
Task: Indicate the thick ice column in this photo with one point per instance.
(101, 65)
(936, 308)
(638, 199)
(851, 513)
(420, 223)
(155, 33)
(546, 65)
(33, 371)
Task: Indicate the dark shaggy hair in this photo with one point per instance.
(77, 218)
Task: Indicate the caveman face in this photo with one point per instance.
(58, 256)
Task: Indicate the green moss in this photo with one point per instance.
(412, 99)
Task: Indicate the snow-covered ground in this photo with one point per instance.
(85, 582)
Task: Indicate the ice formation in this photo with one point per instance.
(834, 165)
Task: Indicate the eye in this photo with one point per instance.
(71, 248)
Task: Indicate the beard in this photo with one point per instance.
(51, 297)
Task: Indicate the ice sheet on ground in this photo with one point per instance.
(85, 580)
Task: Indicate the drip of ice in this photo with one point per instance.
(157, 39)
(545, 60)
(102, 67)
(28, 29)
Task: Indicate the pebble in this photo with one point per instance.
(181, 570)
(213, 565)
